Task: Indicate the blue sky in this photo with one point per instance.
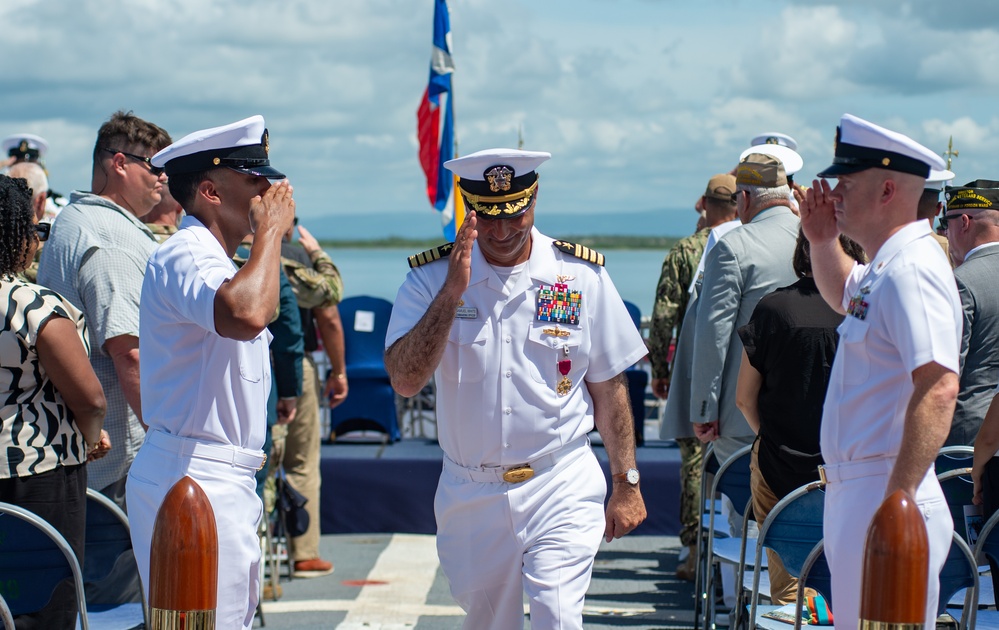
(639, 101)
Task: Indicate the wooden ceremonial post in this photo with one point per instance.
(896, 567)
(184, 561)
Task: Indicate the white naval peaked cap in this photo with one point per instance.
(498, 183)
(773, 137)
(474, 166)
(26, 146)
(861, 145)
(242, 146)
(938, 178)
(790, 158)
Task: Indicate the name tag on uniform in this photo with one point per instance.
(466, 312)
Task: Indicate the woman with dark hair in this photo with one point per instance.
(788, 349)
(53, 405)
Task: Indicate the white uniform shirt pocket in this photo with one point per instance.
(252, 355)
(856, 360)
(464, 358)
(545, 350)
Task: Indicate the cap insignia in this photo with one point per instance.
(499, 178)
(23, 147)
(771, 140)
(266, 141)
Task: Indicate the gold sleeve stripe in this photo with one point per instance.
(435, 253)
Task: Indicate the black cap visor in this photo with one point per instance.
(851, 158)
(264, 170)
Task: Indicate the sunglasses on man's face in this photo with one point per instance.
(42, 230)
(155, 170)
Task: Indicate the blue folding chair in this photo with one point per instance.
(109, 544)
(34, 560)
(953, 457)
(370, 403)
(987, 548)
(959, 490)
(731, 480)
(792, 529)
(960, 571)
(6, 618)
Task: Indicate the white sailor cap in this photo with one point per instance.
(788, 157)
(241, 146)
(781, 139)
(498, 183)
(861, 145)
(26, 147)
(938, 178)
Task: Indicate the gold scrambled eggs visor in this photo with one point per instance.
(500, 206)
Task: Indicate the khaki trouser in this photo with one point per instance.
(783, 587)
(301, 459)
(691, 457)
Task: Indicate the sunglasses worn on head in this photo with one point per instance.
(43, 229)
(155, 170)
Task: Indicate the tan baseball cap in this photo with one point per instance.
(721, 186)
(757, 169)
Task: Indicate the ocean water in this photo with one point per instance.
(380, 272)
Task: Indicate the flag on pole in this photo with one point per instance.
(435, 122)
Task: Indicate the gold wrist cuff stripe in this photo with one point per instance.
(887, 625)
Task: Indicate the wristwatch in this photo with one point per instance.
(630, 477)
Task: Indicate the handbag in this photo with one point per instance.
(291, 504)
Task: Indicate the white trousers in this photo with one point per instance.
(497, 541)
(232, 493)
(849, 509)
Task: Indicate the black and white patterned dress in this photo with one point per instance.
(36, 431)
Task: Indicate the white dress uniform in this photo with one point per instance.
(204, 398)
(498, 406)
(903, 312)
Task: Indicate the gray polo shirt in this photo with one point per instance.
(96, 258)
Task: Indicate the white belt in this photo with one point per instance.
(513, 474)
(215, 451)
(844, 471)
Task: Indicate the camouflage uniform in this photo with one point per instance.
(162, 232)
(671, 298)
(319, 285)
(316, 285)
(670, 306)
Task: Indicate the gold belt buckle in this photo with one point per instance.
(518, 474)
(822, 475)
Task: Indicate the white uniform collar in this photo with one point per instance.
(896, 242)
(542, 260)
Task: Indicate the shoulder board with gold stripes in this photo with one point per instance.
(432, 254)
(580, 251)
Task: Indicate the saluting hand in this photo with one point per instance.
(275, 209)
(459, 270)
(818, 214)
(307, 240)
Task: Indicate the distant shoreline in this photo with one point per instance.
(601, 242)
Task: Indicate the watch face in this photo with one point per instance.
(632, 476)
